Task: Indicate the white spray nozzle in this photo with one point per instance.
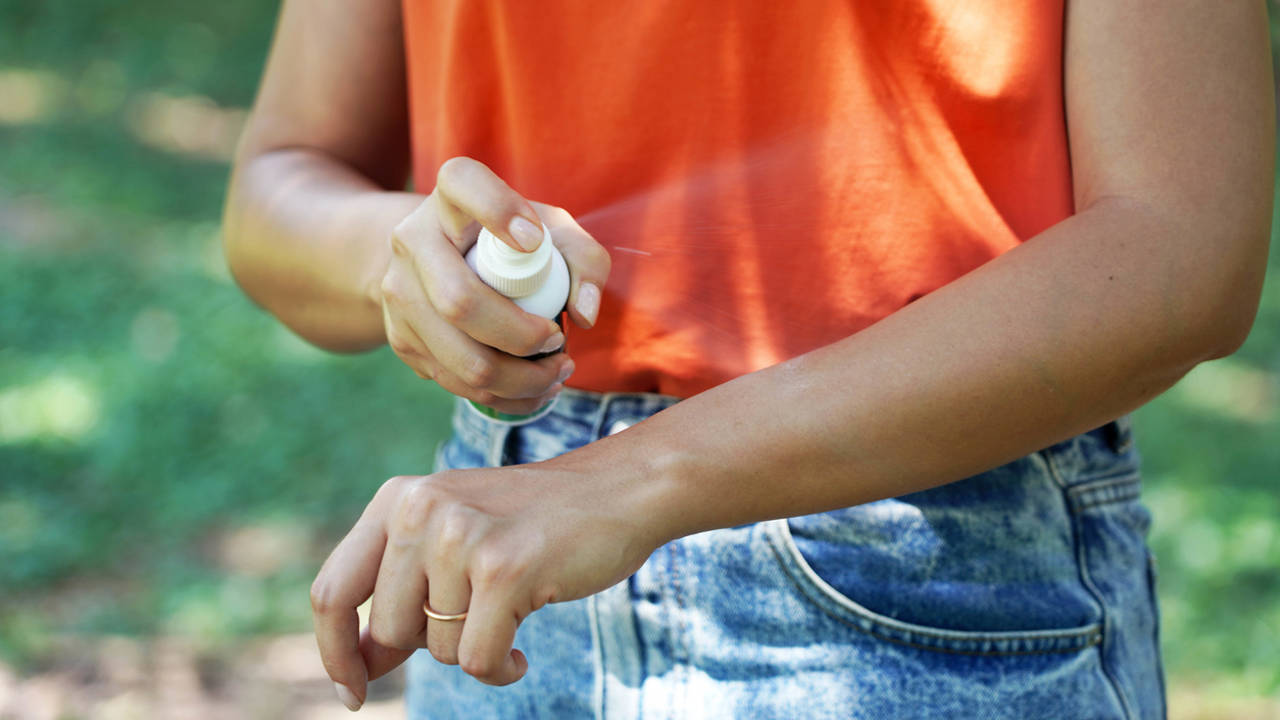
(509, 271)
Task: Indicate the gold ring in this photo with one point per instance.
(437, 616)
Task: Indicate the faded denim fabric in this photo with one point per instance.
(1023, 592)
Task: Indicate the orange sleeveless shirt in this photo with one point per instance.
(767, 177)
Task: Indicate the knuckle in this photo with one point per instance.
(453, 531)
(479, 372)
(397, 240)
(388, 637)
(389, 288)
(417, 503)
(446, 656)
(400, 345)
(491, 567)
(479, 667)
(393, 290)
(452, 170)
(395, 485)
(454, 303)
(543, 596)
(484, 397)
(597, 258)
(531, 342)
(323, 597)
(423, 367)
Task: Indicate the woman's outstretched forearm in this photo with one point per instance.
(1057, 336)
(1161, 268)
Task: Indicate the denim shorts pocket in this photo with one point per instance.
(855, 615)
(987, 566)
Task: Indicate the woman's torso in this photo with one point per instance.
(768, 177)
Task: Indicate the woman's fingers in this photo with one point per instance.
(345, 581)
(396, 619)
(485, 648)
(588, 261)
(450, 596)
(456, 361)
(468, 190)
(446, 324)
(459, 297)
(380, 659)
(525, 406)
(486, 370)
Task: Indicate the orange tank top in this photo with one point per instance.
(768, 177)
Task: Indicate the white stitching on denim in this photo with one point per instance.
(601, 411)
(1110, 491)
(597, 657)
(1089, 586)
(1128, 478)
(779, 532)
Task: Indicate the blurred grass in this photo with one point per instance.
(171, 460)
(149, 414)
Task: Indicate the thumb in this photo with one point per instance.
(587, 259)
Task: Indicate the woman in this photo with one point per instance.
(906, 266)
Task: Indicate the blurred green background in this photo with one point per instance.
(174, 463)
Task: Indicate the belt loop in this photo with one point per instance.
(1124, 433)
(498, 434)
(598, 425)
(1119, 434)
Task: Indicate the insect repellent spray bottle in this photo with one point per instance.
(537, 282)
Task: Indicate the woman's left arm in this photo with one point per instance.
(1171, 122)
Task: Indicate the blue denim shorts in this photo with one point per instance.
(1023, 592)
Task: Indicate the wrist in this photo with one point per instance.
(641, 477)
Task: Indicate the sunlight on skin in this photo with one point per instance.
(58, 407)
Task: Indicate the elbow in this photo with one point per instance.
(1232, 329)
(1225, 315)
(240, 251)
(233, 225)
(235, 252)
(233, 239)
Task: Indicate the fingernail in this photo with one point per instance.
(347, 697)
(553, 343)
(526, 234)
(589, 302)
(565, 371)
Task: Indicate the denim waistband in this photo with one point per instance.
(590, 415)
(1104, 452)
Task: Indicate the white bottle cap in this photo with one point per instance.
(509, 271)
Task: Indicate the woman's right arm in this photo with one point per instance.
(315, 188)
(319, 231)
